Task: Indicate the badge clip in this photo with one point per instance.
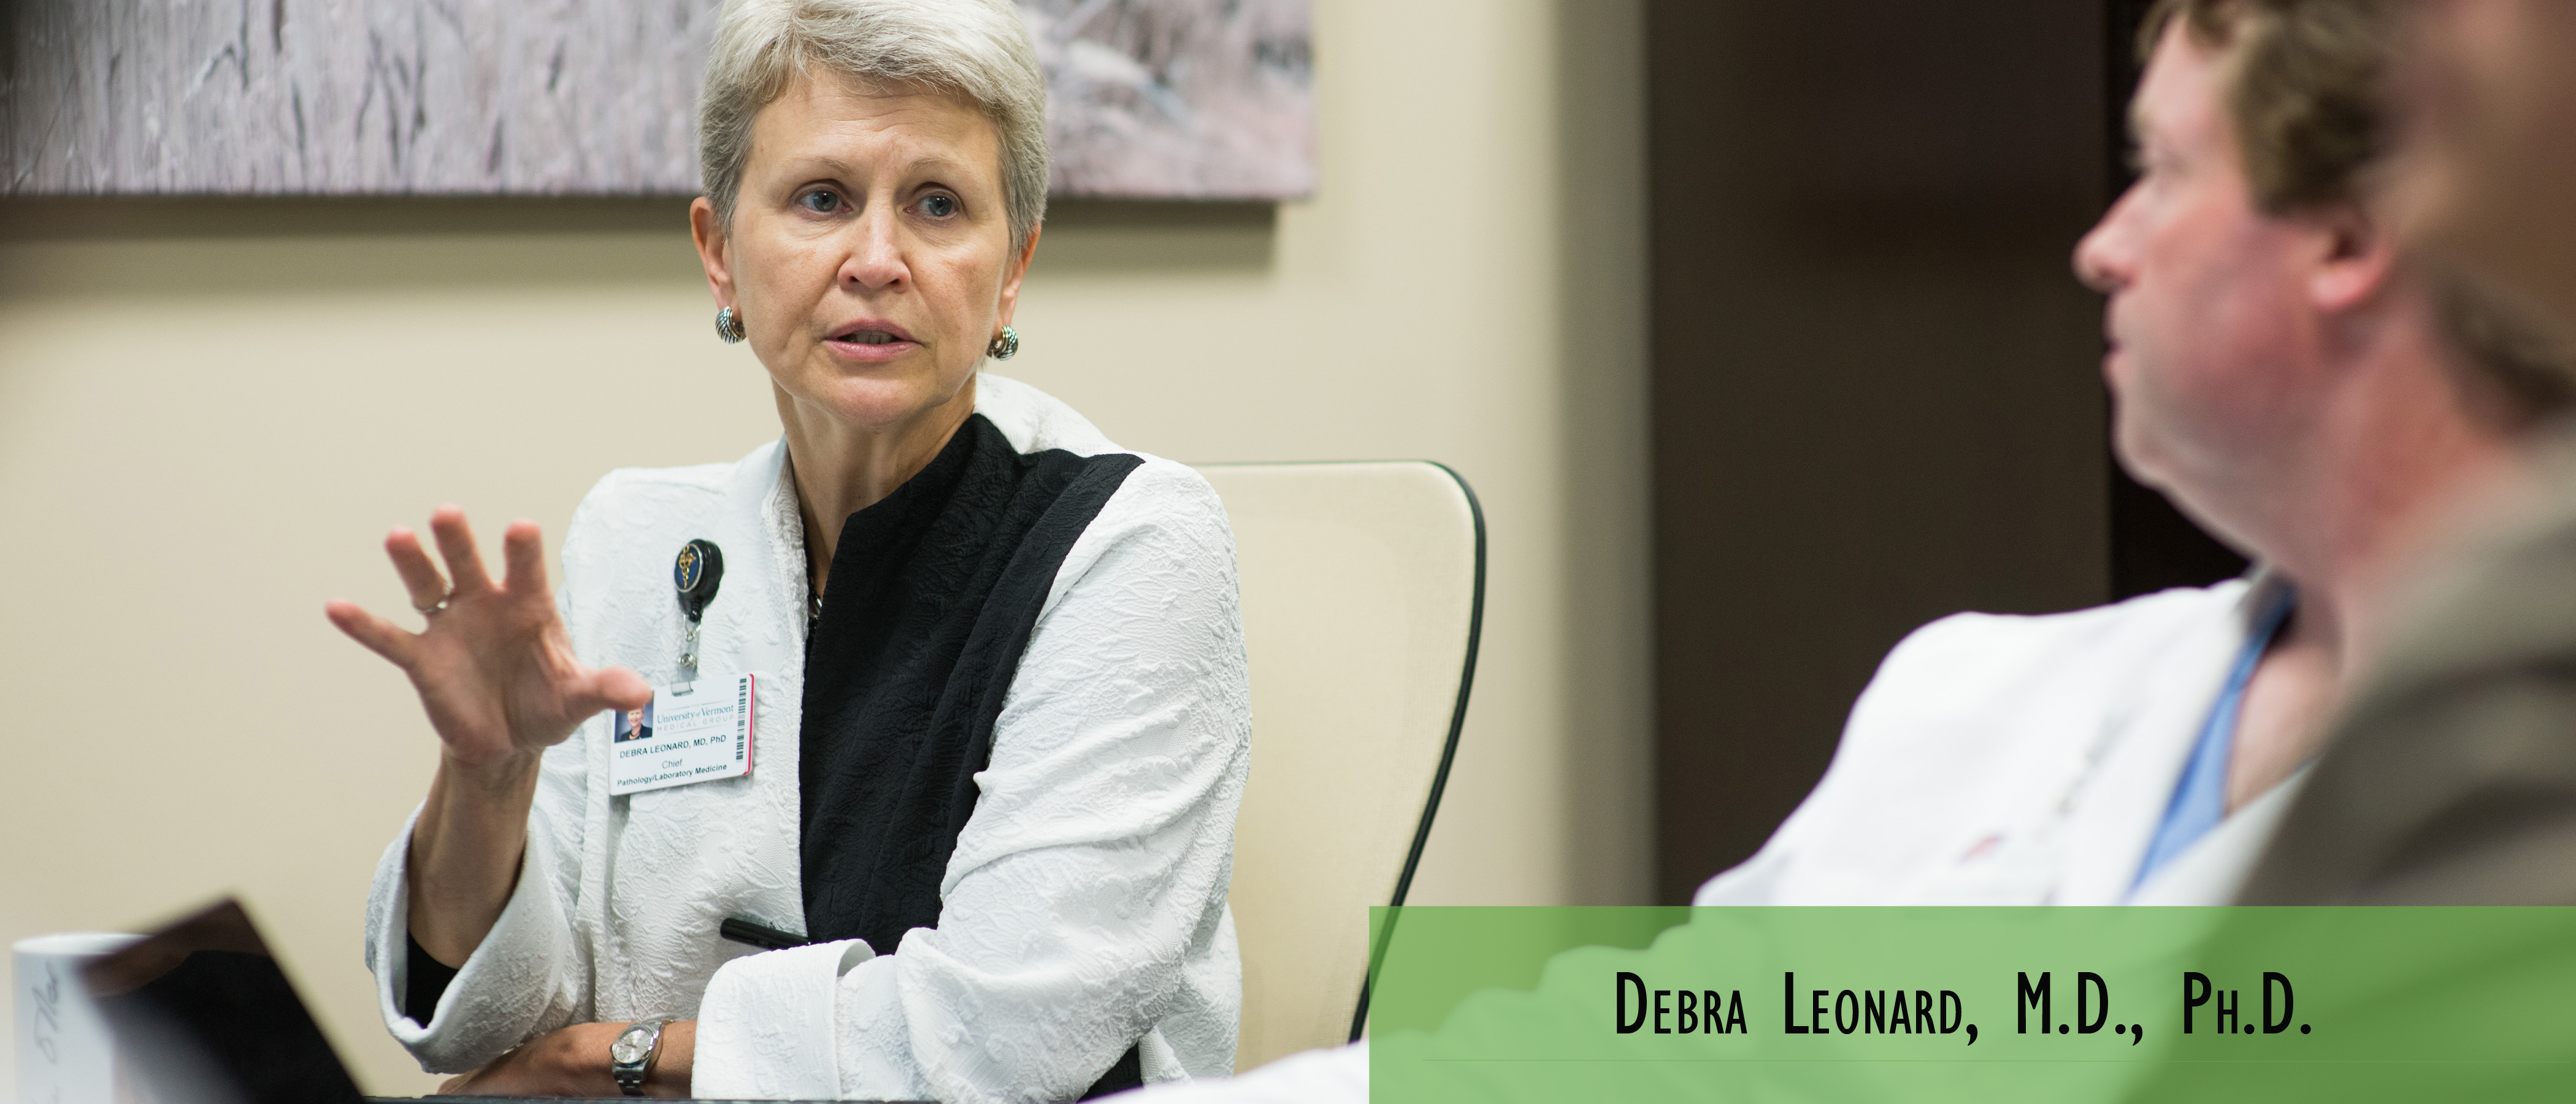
(695, 574)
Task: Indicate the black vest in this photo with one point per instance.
(932, 597)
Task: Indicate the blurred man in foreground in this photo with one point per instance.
(2487, 93)
(2452, 776)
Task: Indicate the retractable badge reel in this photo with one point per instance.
(696, 573)
(701, 729)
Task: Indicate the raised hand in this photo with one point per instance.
(496, 671)
(495, 668)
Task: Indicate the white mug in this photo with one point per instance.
(64, 1053)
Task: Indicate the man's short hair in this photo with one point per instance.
(2305, 88)
(2303, 84)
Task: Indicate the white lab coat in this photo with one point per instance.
(1994, 761)
(2023, 761)
(1084, 905)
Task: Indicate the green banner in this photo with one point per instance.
(1983, 1004)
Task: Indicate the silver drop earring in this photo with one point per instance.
(729, 326)
(1004, 347)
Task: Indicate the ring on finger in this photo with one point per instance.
(433, 607)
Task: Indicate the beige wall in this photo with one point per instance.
(209, 412)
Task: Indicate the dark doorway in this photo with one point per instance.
(1877, 398)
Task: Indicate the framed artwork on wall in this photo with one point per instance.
(1148, 99)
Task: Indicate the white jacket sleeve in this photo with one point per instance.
(1083, 909)
(529, 975)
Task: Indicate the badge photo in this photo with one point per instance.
(635, 724)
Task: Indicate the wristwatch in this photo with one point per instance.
(631, 1057)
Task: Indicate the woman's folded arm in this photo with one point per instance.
(528, 975)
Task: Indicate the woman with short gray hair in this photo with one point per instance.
(898, 759)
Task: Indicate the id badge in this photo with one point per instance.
(697, 732)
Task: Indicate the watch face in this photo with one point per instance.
(631, 1046)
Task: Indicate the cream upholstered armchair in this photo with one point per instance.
(1363, 593)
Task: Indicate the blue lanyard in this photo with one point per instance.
(2200, 797)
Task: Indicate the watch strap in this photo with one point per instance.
(630, 1075)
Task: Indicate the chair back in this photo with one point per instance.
(1363, 594)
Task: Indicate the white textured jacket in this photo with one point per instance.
(1084, 905)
